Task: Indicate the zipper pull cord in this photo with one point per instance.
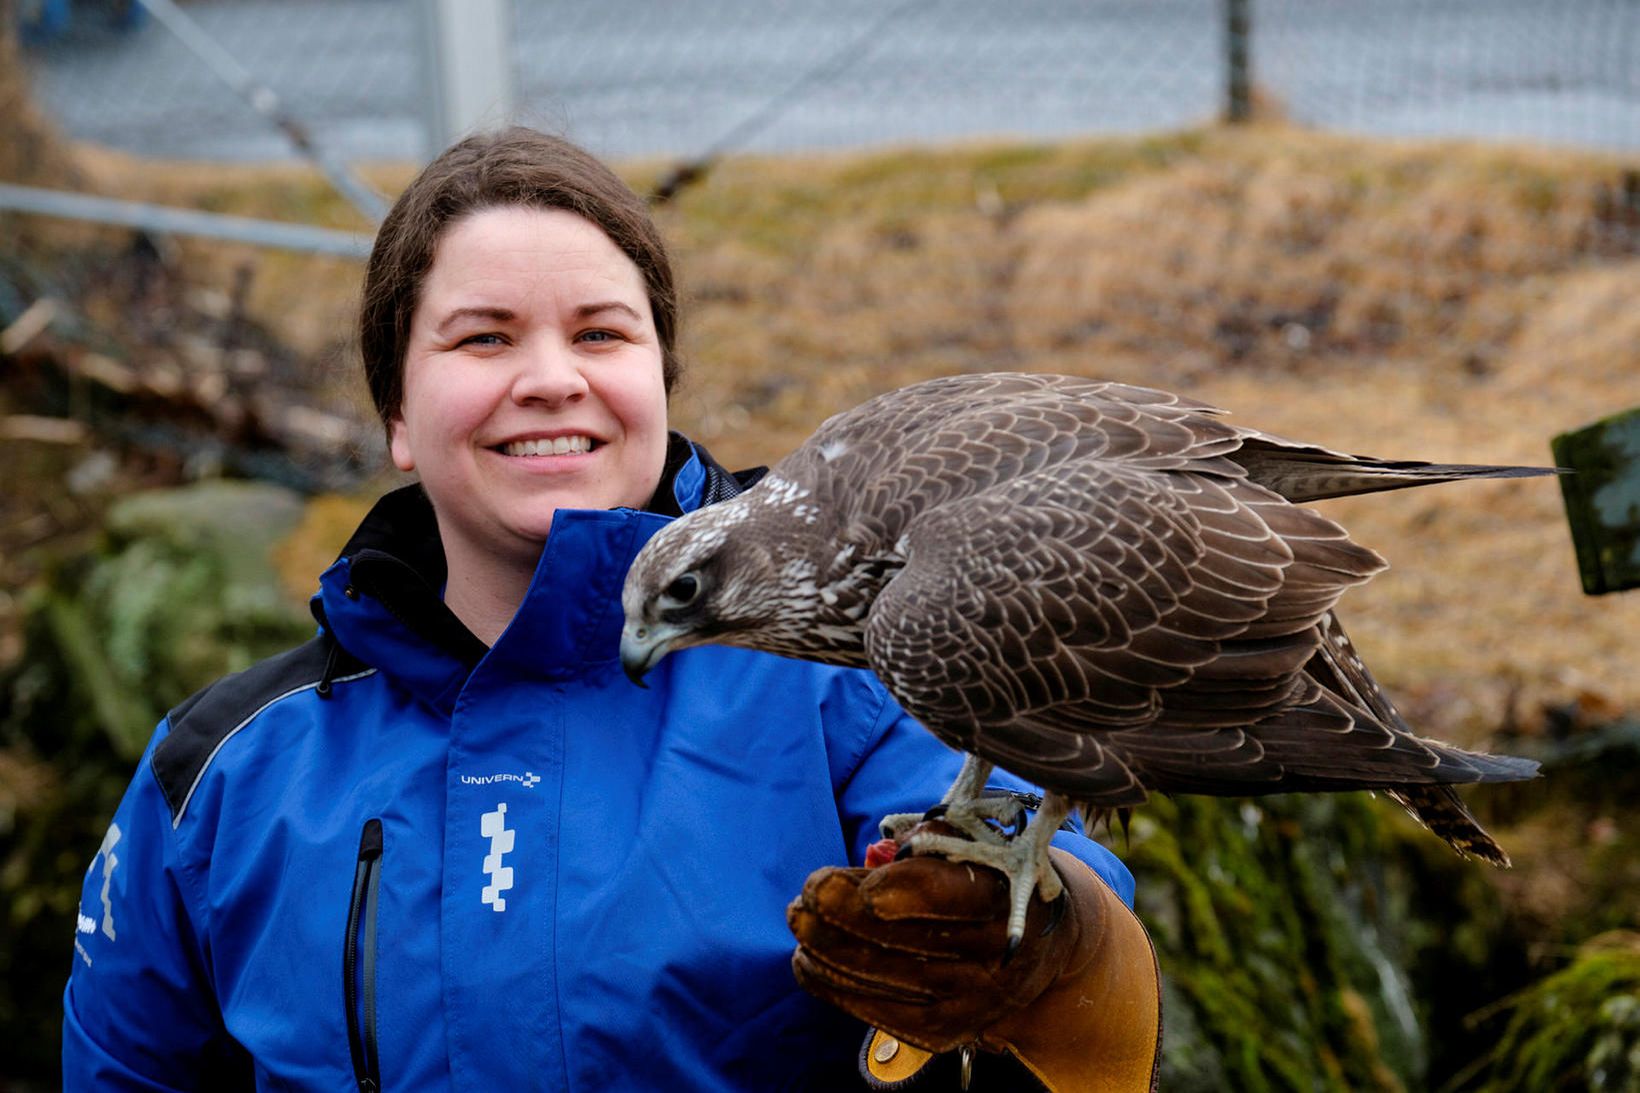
(332, 659)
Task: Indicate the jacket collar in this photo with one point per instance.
(382, 599)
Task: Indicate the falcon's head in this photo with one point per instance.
(743, 572)
(695, 582)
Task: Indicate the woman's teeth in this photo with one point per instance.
(558, 445)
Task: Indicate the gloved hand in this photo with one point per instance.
(915, 948)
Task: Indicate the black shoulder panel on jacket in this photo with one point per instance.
(202, 722)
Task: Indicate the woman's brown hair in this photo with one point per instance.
(515, 166)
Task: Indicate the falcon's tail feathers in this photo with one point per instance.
(1440, 810)
(1480, 766)
(1313, 474)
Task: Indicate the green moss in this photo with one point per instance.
(182, 591)
(1576, 1029)
(1271, 931)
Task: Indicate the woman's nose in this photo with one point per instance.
(550, 374)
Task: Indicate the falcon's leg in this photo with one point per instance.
(970, 783)
(971, 779)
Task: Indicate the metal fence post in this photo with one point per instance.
(467, 61)
(1238, 34)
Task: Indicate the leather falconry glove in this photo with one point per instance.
(915, 949)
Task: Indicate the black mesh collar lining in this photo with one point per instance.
(720, 484)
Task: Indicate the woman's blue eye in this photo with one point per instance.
(481, 339)
(597, 335)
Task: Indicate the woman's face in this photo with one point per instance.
(532, 382)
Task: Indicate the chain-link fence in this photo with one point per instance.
(347, 69)
(639, 77)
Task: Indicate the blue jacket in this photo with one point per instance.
(394, 856)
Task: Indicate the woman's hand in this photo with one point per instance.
(915, 948)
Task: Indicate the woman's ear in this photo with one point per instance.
(398, 444)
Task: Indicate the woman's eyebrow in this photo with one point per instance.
(586, 311)
(494, 314)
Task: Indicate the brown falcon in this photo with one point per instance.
(1105, 589)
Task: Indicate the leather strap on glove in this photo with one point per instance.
(915, 949)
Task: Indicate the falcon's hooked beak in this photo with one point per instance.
(642, 647)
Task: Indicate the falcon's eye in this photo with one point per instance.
(682, 591)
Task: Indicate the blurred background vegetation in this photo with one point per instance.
(184, 446)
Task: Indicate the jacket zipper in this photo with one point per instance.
(359, 960)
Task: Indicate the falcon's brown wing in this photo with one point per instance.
(1104, 628)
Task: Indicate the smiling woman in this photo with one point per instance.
(447, 844)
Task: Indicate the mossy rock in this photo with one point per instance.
(1277, 930)
(181, 591)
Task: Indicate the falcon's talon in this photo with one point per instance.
(1014, 942)
(937, 812)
